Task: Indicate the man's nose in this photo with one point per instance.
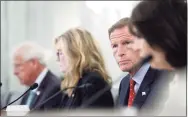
(121, 51)
(15, 71)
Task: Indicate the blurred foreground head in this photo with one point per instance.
(161, 28)
(78, 53)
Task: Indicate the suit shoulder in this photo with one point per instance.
(154, 72)
(90, 76)
(53, 78)
(51, 82)
(125, 79)
(93, 78)
(158, 72)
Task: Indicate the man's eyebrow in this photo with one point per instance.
(116, 36)
(122, 35)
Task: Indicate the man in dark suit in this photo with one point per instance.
(48, 87)
(136, 86)
(29, 67)
(144, 90)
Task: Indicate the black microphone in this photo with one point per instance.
(34, 86)
(51, 97)
(106, 88)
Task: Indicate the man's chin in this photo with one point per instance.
(125, 69)
(22, 83)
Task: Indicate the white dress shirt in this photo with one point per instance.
(40, 78)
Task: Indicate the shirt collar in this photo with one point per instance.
(40, 78)
(140, 74)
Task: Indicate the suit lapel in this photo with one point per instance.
(124, 91)
(144, 88)
(39, 96)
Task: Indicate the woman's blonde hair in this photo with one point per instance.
(83, 55)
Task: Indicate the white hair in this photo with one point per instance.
(31, 50)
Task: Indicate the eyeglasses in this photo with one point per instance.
(58, 58)
(59, 55)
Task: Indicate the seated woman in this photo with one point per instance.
(82, 63)
(161, 30)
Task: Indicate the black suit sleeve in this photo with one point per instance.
(49, 86)
(98, 84)
(54, 103)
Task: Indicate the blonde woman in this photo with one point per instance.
(81, 62)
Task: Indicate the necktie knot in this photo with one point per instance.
(132, 82)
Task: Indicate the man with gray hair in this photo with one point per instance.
(30, 67)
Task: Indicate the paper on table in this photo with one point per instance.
(17, 110)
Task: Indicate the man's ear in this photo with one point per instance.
(34, 62)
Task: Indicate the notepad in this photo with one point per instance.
(17, 110)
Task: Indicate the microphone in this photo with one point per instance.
(106, 88)
(34, 86)
(45, 101)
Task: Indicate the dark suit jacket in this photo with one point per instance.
(146, 86)
(159, 94)
(81, 95)
(48, 87)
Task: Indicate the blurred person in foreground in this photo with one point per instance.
(81, 62)
(161, 30)
(137, 85)
(30, 67)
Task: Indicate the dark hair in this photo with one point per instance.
(163, 24)
(119, 24)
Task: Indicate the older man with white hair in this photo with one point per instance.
(30, 67)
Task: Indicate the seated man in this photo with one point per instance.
(136, 86)
(30, 68)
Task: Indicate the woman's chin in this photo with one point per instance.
(161, 66)
(62, 70)
(155, 66)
